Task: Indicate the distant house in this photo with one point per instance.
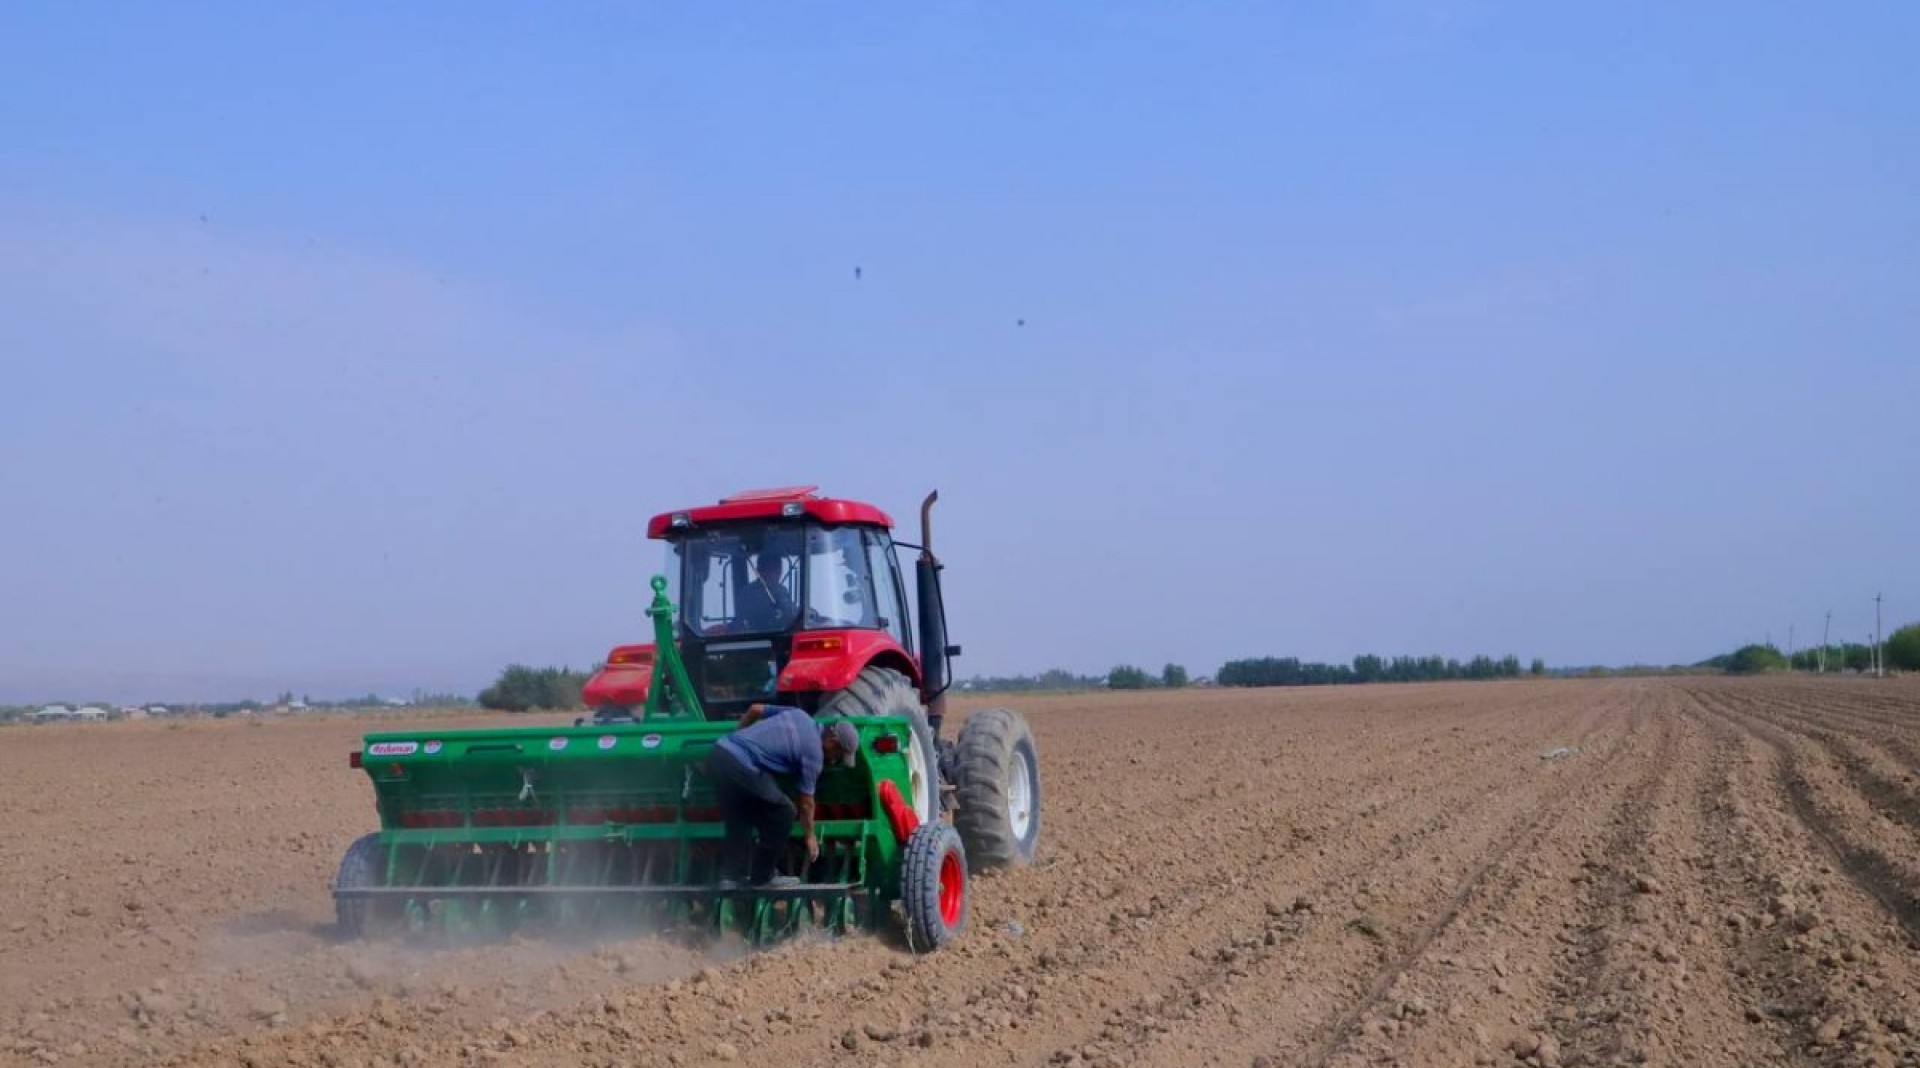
(157, 710)
(91, 713)
(52, 713)
(133, 712)
(298, 706)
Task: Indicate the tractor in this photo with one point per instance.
(780, 596)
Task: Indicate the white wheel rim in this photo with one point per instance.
(1020, 796)
(918, 781)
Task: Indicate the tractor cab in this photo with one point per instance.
(758, 577)
(785, 596)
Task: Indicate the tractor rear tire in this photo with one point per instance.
(364, 865)
(880, 691)
(933, 886)
(997, 789)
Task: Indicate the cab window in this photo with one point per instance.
(887, 592)
(839, 579)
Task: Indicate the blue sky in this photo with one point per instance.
(350, 347)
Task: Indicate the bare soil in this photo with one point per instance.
(1647, 871)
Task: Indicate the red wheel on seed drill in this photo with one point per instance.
(953, 889)
(933, 886)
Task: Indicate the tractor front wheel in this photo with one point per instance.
(997, 788)
(933, 886)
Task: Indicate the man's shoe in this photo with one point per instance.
(778, 882)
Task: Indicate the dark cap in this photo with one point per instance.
(849, 739)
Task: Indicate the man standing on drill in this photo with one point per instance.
(772, 740)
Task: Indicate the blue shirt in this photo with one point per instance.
(784, 741)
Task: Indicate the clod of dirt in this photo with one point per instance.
(361, 975)
(160, 1005)
(1522, 1044)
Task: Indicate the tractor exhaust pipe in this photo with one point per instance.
(926, 522)
(935, 653)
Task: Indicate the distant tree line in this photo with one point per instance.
(1054, 679)
(1291, 671)
(1902, 653)
(223, 709)
(1128, 677)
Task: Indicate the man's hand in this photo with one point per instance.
(806, 828)
(752, 716)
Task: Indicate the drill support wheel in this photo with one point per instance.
(933, 887)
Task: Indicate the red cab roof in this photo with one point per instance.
(772, 504)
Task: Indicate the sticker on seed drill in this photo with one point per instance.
(606, 741)
(393, 748)
(649, 741)
(430, 748)
(557, 744)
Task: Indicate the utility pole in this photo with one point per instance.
(1879, 654)
(1826, 640)
(1789, 648)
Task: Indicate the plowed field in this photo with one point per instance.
(1646, 871)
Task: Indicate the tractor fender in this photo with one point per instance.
(824, 661)
(900, 815)
(623, 681)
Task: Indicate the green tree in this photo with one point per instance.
(1173, 676)
(1903, 648)
(1537, 668)
(520, 688)
(1128, 677)
(1753, 659)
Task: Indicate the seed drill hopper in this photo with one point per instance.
(612, 821)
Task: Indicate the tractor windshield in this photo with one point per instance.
(772, 579)
(742, 580)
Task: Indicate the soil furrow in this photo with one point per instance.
(1887, 880)
(1838, 983)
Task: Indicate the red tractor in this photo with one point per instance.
(789, 597)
